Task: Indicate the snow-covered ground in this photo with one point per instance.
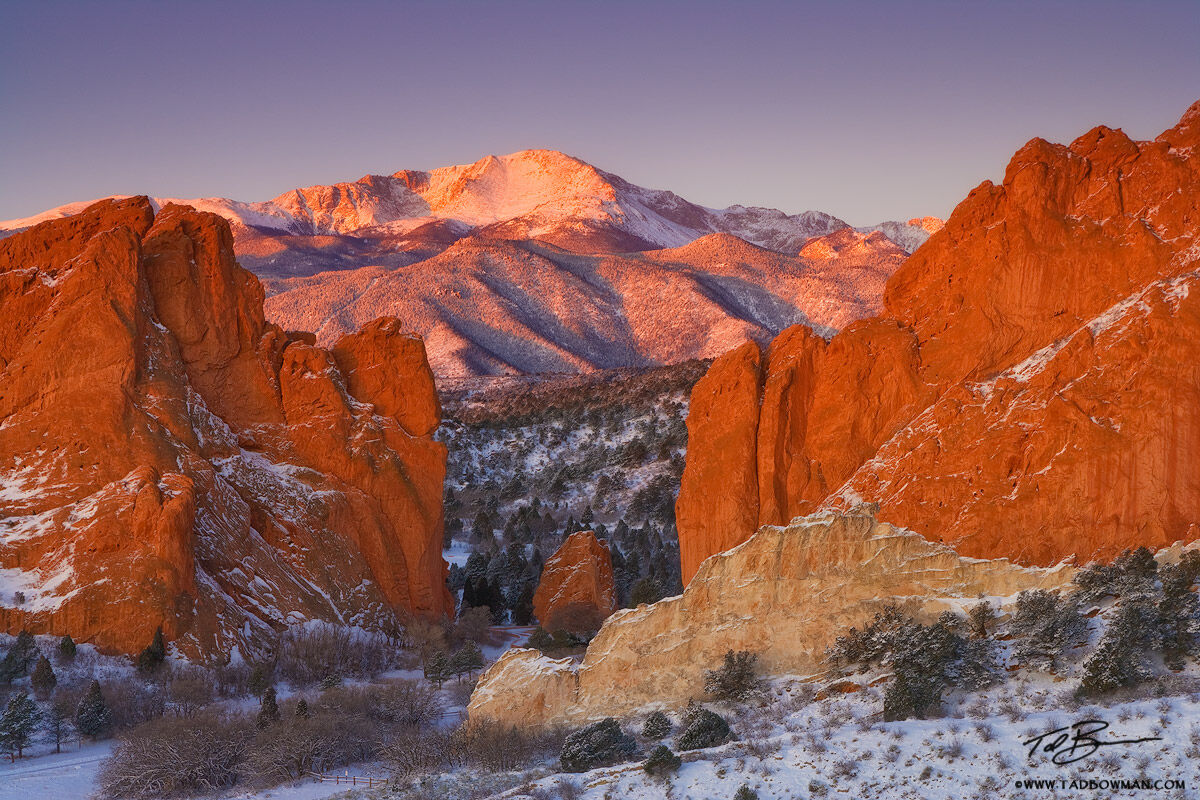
(840, 748)
(69, 775)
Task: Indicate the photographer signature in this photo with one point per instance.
(1077, 742)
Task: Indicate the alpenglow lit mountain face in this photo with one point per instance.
(538, 261)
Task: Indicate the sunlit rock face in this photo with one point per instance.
(167, 457)
(1028, 391)
(786, 594)
(576, 580)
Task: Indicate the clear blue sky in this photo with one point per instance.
(869, 111)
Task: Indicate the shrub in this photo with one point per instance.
(657, 726)
(407, 704)
(311, 653)
(702, 729)
(132, 701)
(1047, 626)
(190, 690)
(735, 679)
(1120, 658)
(745, 793)
(599, 744)
(1131, 574)
(66, 649)
(661, 761)
(979, 618)
(169, 757)
(414, 752)
(874, 642)
(299, 746)
(151, 658)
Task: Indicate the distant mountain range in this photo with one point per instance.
(538, 261)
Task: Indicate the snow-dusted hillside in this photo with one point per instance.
(487, 307)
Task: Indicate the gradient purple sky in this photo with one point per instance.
(869, 111)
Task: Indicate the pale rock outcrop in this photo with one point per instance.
(786, 593)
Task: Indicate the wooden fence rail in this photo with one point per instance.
(350, 780)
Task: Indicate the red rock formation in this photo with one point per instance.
(576, 584)
(718, 496)
(1027, 392)
(169, 458)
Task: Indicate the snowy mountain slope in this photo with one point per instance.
(487, 307)
(532, 194)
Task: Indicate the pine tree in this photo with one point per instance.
(437, 667)
(646, 590)
(92, 717)
(19, 658)
(302, 709)
(467, 659)
(43, 679)
(523, 608)
(259, 680)
(18, 723)
(268, 709)
(66, 649)
(155, 653)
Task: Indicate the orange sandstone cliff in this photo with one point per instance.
(1029, 391)
(169, 458)
(576, 583)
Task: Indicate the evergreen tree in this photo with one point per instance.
(437, 667)
(522, 613)
(259, 680)
(92, 717)
(477, 566)
(19, 658)
(466, 660)
(43, 679)
(268, 709)
(18, 723)
(646, 590)
(150, 659)
(302, 709)
(66, 649)
(657, 726)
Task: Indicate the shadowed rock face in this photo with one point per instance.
(169, 458)
(1029, 390)
(786, 593)
(577, 579)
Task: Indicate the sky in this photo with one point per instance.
(866, 110)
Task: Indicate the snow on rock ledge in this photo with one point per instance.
(785, 593)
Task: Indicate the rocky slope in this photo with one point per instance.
(490, 307)
(1028, 390)
(537, 261)
(786, 594)
(167, 457)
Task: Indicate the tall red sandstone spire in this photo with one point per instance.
(169, 458)
(1029, 390)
